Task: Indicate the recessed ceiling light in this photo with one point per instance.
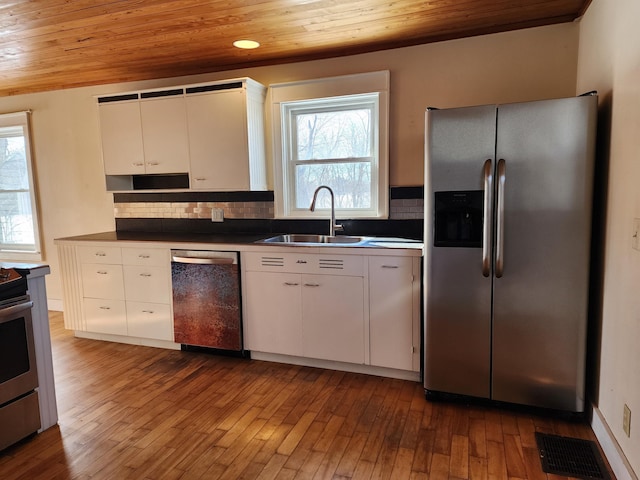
(246, 44)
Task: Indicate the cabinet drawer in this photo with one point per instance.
(157, 257)
(325, 263)
(105, 316)
(147, 284)
(92, 254)
(149, 320)
(102, 281)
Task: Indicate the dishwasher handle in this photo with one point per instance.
(204, 257)
(203, 260)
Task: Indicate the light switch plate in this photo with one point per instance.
(635, 240)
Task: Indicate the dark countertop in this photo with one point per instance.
(231, 239)
(31, 269)
(222, 238)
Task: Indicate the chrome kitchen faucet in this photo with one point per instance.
(332, 225)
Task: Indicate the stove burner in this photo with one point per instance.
(13, 286)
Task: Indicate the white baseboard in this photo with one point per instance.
(55, 304)
(616, 457)
(342, 366)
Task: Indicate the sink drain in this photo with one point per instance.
(572, 457)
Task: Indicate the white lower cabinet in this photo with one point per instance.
(147, 284)
(149, 320)
(314, 316)
(102, 281)
(356, 309)
(394, 315)
(276, 306)
(105, 316)
(125, 291)
(359, 310)
(333, 318)
(313, 310)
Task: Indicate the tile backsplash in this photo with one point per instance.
(186, 207)
(192, 209)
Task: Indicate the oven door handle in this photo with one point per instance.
(9, 313)
(203, 260)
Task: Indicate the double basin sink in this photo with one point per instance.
(304, 239)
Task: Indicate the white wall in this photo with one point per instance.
(523, 65)
(609, 60)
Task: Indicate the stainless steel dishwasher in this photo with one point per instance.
(206, 300)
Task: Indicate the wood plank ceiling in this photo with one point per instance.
(56, 44)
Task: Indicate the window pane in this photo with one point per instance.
(16, 222)
(350, 182)
(337, 134)
(13, 164)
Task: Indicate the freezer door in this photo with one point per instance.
(457, 294)
(540, 295)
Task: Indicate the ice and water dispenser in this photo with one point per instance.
(458, 219)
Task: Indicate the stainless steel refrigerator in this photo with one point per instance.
(508, 201)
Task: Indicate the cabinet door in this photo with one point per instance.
(333, 317)
(121, 131)
(147, 284)
(146, 256)
(105, 255)
(391, 312)
(102, 281)
(105, 316)
(164, 133)
(218, 140)
(273, 313)
(149, 320)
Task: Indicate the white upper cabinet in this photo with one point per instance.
(164, 134)
(212, 135)
(226, 139)
(121, 129)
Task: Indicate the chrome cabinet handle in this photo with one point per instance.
(390, 266)
(502, 177)
(105, 308)
(137, 164)
(102, 272)
(200, 179)
(145, 274)
(153, 163)
(142, 255)
(301, 261)
(101, 254)
(147, 311)
(311, 284)
(488, 212)
(291, 284)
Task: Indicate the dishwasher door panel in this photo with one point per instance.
(206, 305)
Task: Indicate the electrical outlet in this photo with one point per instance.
(635, 240)
(217, 215)
(626, 420)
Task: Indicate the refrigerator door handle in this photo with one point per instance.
(502, 167)
(486, 228)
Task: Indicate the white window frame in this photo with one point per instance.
(344, 90)
(21, 120)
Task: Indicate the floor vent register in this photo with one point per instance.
(571, 457)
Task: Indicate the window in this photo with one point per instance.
(332, 132)
(19, 236)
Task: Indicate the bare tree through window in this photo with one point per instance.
(16, 216)
(334, 148)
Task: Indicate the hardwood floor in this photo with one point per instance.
(144, 413)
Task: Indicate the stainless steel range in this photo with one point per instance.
(19, 410)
